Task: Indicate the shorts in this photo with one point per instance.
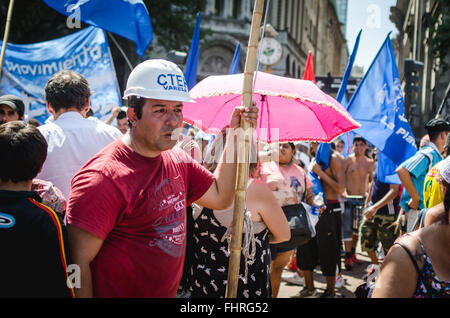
(308, 255)
(351, 218)
(324, 248)
(275, 250)
(377, 230)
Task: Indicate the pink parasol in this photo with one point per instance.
(289, 109)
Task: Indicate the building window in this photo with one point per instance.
(293, 69)
(293, 14)
(218, 7)
(237, 4)
(286, 14)
(288, 65)
(278, 24)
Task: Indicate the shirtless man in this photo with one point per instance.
(358, 175)
(328, 228)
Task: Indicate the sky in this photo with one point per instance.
(372, 16)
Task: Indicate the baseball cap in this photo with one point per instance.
(437, 124)
(14, 102)
(158, 79)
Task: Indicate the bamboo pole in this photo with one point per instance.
(6, 35)
(244, 140)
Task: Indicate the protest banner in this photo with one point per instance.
(28, 67)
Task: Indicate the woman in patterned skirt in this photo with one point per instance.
(208, 273)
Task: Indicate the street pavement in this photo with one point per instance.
(352, 279)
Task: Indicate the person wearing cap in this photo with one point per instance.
(433, 191)
(11, 108)
(412, 171)
(127, 208)
(434, 205)
(72, 139)
(417, 265)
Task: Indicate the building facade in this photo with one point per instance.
(413, 19)
(301, 26)
(341, 10)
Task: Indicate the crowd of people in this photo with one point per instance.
(142, 205)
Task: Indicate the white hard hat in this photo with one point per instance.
(158, 79)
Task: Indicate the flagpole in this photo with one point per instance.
(6, 35)
(242, 168)
(120, 50)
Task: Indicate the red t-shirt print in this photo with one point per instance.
(168, 201)
(137, 206)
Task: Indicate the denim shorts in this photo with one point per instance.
(351, 218)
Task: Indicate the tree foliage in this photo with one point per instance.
(440, 38)
(173, 23)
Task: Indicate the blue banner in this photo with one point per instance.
(347, 138)
(234, 68)
(192, 62)
(378, 105)
(28, 67)
(323, 155)
(127, 18)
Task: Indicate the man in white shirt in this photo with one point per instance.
(72, 139)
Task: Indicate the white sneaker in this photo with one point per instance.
(294, 279)
(340, 281)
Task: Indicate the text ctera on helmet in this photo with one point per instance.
(158, 79)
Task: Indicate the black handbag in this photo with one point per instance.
(298, 222)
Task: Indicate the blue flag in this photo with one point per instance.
(323, 151)
(347, 138)
(192, 62)
(378, 105)
(234, 68)
(341, 98)
(127, 18)
(322, 158)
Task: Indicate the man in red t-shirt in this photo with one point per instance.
(127, 207)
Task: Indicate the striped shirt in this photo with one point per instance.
(418, 166)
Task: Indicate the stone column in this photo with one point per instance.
(209, 7)
(227, 9)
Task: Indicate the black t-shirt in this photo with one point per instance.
(379, 190)
(33, 256)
